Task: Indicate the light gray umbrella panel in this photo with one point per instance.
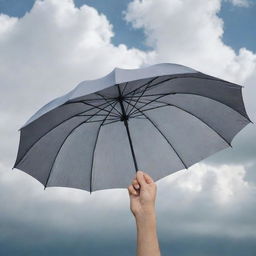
(160, 119)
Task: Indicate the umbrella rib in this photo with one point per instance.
(52, 129)
(126, 109)
(117, 120)
(135, 113)
(124, 88)
(98, 115)
(97, 121)
(98, 107)
(149, 103)
(147, 109)
(157, 128)
(85, 100)
(139, 117)
(150, 95)
(94, 147)
(73, 129)
(193, 75)
(110, 104)
(92, 106)
(122, 93)
(92, 99)
(135, 90)
(144, 90)
(96, 140)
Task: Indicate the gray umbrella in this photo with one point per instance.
(160, 119)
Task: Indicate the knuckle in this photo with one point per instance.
(131, 188)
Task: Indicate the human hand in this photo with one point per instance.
(142, 193)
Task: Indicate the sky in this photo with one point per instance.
(47, 47)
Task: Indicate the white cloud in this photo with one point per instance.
(6, 24)
(190, 33)
(240, 3)
(207, 200)
(221, 184)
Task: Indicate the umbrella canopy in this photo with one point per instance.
(161, 119)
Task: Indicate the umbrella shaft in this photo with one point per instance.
(125, 120)
(131, 146)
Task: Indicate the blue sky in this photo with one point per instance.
(208, 210)
(237, 20)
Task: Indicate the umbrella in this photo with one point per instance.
(161, 119)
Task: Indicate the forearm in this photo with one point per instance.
(147, 241)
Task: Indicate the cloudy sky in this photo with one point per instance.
(48, 46)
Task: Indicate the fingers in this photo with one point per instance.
(140, 178)
(135, 184)
(132, 190)
(148, 178)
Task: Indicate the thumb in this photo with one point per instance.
(140, 178)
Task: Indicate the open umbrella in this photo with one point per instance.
(161, 119)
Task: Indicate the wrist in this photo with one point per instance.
(146, 224)
(147, 215)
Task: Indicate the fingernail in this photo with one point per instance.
(135, 193)
(137, 186)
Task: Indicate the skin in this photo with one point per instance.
(142, 193)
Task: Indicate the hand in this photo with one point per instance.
(142, 194)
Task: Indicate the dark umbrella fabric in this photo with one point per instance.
(161, 119)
